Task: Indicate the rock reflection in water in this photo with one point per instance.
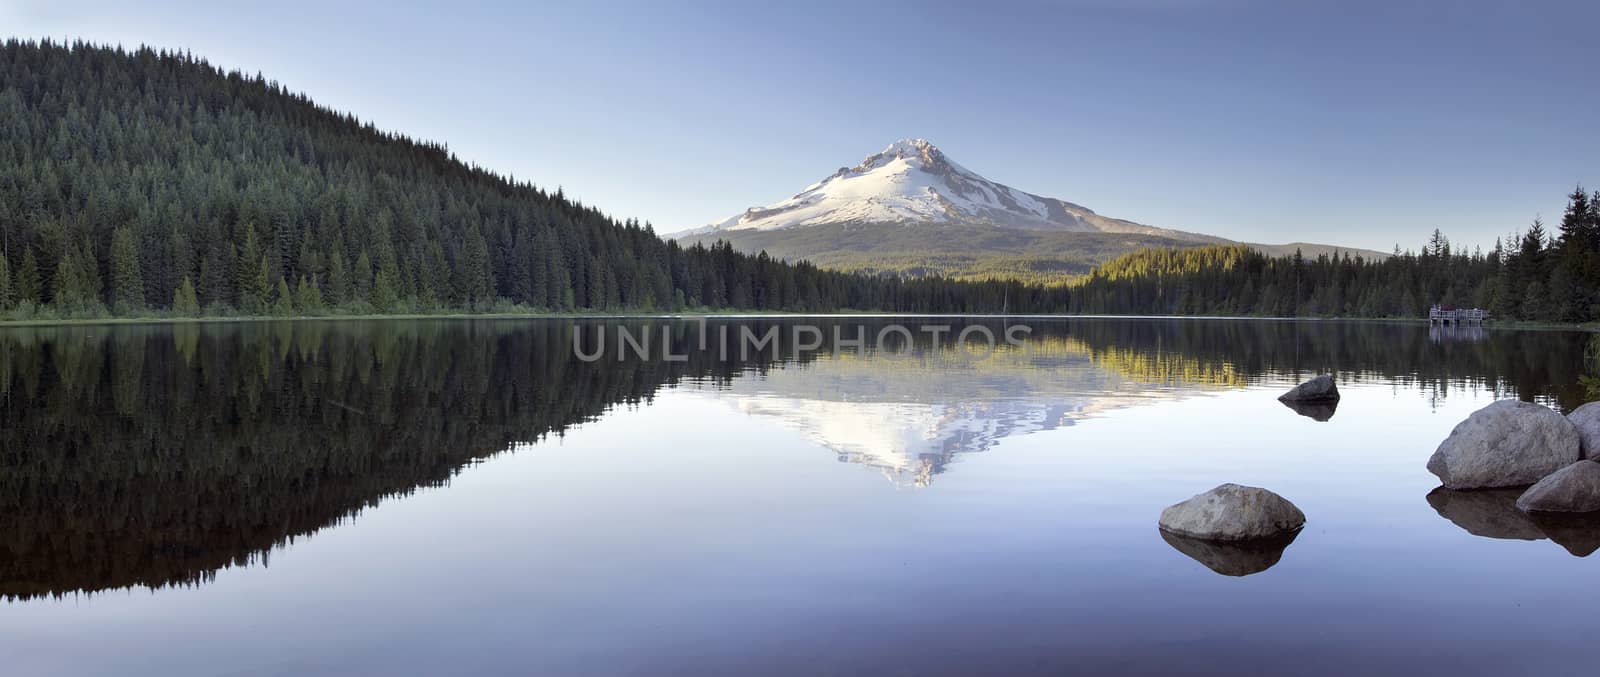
(1493, 513)
(1318, 411)
(1579, 533)
(1231, 558)
(1490, 513)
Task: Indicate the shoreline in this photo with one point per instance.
(1591, 327)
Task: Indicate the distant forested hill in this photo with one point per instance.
(959, 251)
(140, 181)
(965, 251)
(1534, 275)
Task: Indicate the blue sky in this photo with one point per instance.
(1352, 123)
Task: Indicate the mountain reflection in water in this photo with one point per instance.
(155, 456)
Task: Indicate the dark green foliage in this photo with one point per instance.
(127, 282)
(185, 303)
(7, 294)
(338, 281)
(77, 280)
(283, 300)
(28, 287)
(307, 297)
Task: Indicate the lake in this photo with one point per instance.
(496, 497)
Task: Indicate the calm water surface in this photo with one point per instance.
(448, 497)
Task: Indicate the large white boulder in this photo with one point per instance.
(1232, 512)
(1506, 444)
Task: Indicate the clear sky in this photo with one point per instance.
(1350, 123)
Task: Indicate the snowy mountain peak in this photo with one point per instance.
(912, 181)
(918, 153)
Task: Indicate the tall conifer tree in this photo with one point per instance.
(127, 281)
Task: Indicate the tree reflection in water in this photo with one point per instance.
(158, 455)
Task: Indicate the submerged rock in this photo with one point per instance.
(1232, 512)
(1506, 444)
(1232, 558)
(1317, 410)
(1490, 513)
(1587, 420)
(1319, 389)
(1575, 488)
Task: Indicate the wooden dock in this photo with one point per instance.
(1456, 316)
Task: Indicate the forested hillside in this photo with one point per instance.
(957, 251)
(1534, 275)
(964, 251)
(146, 181)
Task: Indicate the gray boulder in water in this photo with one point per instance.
(1506, 444)
(1575, 488)
(1232, 558)
(1319, 389)
(1232, 512)
(1587, 420)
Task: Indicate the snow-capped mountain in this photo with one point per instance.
(911, 210)
(912, 181)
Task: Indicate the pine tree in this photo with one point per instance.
(477, 285)
(1529, 267)
(1534, 304)
(256, 291)
(249, 276)
(1438, 246)
(283, 300)
(77, 281)
(212, 282)
(558, 282)
(7, 295)
(28, 287)
(338, 281)
(386, 274)
(520, 278)
(384, 296)
(361, 278)
(308, 297)
(185, 302)
(127, 281)
(1578, 232)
